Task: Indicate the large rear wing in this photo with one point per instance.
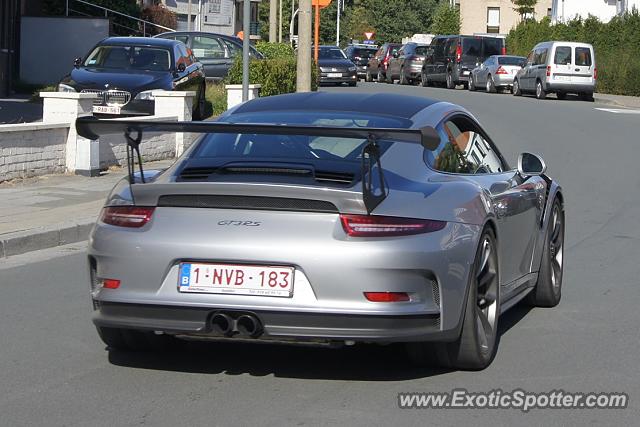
(133, 130)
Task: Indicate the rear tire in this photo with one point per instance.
(548, 289)
(515, 89)
(588, 96)
(540, 92)
(472, 84)
(478, 341)
(403, 78)
(113, 338)
(134, 340)
(353, 84)
(368, 77)
(389, 77)
(491, 86)
(449, 82)
(424, 79)
(380, 78)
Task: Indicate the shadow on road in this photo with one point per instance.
(363, 362)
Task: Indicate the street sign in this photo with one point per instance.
(369, 34)
(321, 3)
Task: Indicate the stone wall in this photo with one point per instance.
(32, 149)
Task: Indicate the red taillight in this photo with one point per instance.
(387, 296)
(127, 216)
(110, 283)
(503, 51)
(384, 226)
(548, 70)
(501, 70)
(458, 53)
(595, 73)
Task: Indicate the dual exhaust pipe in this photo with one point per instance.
(246, 325)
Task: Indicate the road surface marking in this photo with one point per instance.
(619, 110)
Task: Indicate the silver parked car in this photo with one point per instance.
(495, 73)
(560, 68)
(327, 218)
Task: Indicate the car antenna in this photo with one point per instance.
(370, 158)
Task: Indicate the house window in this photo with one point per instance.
(549, 12)
(493, 20)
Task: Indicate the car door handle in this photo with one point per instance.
(577, 69)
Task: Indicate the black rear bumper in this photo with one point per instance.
(196, 321)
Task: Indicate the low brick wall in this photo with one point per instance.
(32, 149)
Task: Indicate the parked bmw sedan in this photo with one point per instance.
(125, 71)
(328, 218)
(497, 72)
(335, 67)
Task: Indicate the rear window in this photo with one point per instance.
(493, 46)
(295, 148)
(563, 55)
(422, 50)
(583, 57)
(364, 53)
(511, 60)
(472, 47)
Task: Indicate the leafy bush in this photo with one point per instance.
(275, 50)
(158, 14)
(616, 45)
(446, 19)
(277, 75)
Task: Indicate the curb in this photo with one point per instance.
(21, 242)
(608, 101)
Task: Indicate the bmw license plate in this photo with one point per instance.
(258, 280)
(105, 109)
(332, 75)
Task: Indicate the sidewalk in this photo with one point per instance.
(618, 100)
(53, 210)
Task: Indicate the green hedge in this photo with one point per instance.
(616, 44)
(275, 50)
(277, 75)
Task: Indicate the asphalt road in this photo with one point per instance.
(55, 371)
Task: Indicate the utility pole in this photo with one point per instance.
(189, 16)
(338, 25)
(246, 35)
(280, 22)
(273, 20)
(303, 80)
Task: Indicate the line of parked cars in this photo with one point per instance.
(481, 62)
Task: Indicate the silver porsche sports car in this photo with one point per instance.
(327, 218)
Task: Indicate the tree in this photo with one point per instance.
(395, 19)
(158, 14)
(525, 7)
(446, 19)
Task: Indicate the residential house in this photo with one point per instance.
(494, 16)
(566, 10)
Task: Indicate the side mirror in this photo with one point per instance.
(531, 165)
(77, 62)
(395, 54)
(181, 67)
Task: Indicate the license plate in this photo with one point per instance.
(105, 109)
(465, 73)
(334, 75)
(563, 78)
(258, 280)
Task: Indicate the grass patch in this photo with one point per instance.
(216, 99)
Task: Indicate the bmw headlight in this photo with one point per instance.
(65, 88)
(147, 95)
(352, 68)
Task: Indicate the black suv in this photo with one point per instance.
(360, 54)
(451, 58)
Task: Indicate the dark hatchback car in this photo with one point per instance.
(335, 67)
(125, 71)
(360, 55)
(451, 58)
(216, 51)
(377, 66)
(406, 64)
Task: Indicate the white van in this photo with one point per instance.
(560, 68)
